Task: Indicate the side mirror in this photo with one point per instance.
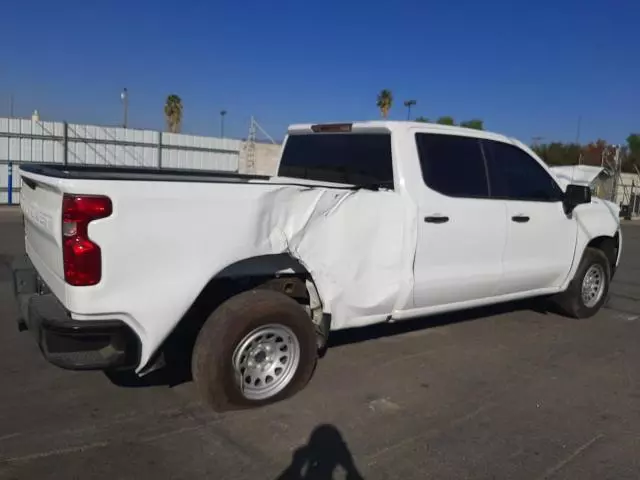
(575, 195)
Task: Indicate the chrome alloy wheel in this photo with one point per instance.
(593, 285)
(266, 360)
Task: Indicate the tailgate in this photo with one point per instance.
(41, 203)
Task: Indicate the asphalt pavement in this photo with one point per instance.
(499, 393)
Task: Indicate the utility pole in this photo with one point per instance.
(10, 163)
(616, 174)
(124, 96)
(409, 104)
(251, 148)
(222, 115)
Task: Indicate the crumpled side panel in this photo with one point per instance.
(359, 246)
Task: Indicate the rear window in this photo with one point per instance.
(354, 158)
(453, 165)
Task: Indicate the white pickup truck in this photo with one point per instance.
(365, 223)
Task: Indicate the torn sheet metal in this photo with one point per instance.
(357, 245)
(577, 174)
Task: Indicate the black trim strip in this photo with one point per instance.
(485, 157)
(81, 172)
(148, 174)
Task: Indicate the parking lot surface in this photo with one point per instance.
(500, 393)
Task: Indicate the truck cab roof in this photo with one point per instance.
(394, 126)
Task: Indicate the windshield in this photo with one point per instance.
(354, 158)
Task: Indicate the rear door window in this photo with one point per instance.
(453, 165)
(353, 158)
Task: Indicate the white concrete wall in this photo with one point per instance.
(23, 141)
(31, 141)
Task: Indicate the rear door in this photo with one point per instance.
(541, 237)
(461, 230)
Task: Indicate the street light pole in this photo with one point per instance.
(222, 115)
(124, 96)
(409, 104)
(10, 165)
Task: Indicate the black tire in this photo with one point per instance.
(212, 357)
(571, 302)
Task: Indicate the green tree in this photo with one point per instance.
(594, 153)
(173, 113)
(422, 119)
(475, 123)
(557, 153)
(633, 143)
(384, 102)
(446, 120)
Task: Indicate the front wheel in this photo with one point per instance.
(589, 288)
(257, 348)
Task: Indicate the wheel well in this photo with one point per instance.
(609, 246)
(281, 273)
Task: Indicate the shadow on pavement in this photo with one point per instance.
(356, 335)
(5, 267)
(178, 360)
(176, 352)
(325, 454)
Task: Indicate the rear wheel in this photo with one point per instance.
(589, 288)
(257, 348)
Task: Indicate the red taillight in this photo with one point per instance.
(81, 257)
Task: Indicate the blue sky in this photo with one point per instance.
(528, 69)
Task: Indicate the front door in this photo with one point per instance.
(540, 236)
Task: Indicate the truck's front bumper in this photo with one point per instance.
(65, 342)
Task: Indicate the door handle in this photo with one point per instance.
(520, 218)
(436, 219)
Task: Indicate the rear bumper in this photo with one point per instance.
(65, 342)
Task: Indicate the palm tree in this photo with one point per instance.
(173, 113)
(384, 102)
